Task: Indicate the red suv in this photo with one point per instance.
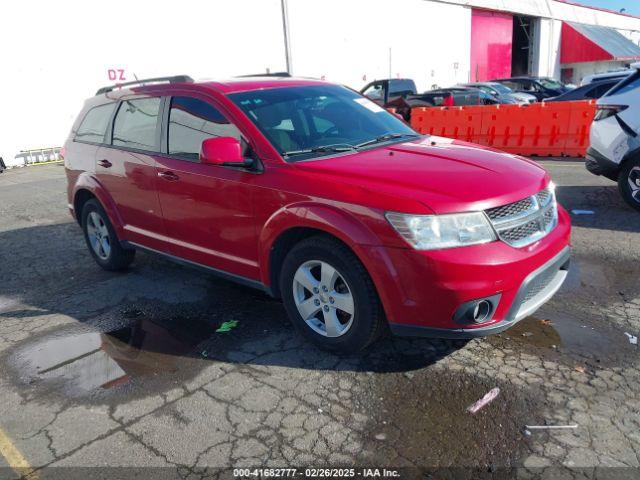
(316, 195)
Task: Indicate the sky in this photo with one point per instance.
(632, 6)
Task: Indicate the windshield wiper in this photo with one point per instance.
(346, 147)
(385, 138)
(323, 148)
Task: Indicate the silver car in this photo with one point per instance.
(503, 92)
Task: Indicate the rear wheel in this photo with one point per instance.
(629, 183)
(329, 295)
(102, 240)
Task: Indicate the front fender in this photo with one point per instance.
(325, 218)
(87, 181)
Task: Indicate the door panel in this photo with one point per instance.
(128, 172)
(208, 214)
(207, 209)
(131, 182)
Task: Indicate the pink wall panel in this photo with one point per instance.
(491, 45)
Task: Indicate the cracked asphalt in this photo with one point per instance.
(125, 371)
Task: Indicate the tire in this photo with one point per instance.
(317, 256)
(101, 238)
(630, 173)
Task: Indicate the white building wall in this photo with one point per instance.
(552, 13)
(582, 69)
(556, 9)
(551, 42)
(534, 8)
(55, 55)
(350, 42)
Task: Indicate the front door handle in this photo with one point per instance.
(104, 163)
(172, 177)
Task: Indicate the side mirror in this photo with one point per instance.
(225, 151)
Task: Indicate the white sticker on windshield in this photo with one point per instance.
(368, 104)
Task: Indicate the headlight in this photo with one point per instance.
(431, 232)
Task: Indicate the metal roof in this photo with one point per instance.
(609, 39)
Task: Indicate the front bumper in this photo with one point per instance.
(534, 292)
(598, 164)
(423, 291)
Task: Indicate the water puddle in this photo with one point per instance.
(422, 419)
(599, 282)
(81, 361)
(565, 335)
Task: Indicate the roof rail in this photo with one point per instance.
(173, 79)
(274, 74)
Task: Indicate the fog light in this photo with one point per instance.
(482, 311)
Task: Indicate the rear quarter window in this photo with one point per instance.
(600, 90)
(94, 124)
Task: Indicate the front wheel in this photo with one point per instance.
(629, 183)
(102, 240)
(329, 296)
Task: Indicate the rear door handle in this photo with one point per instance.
(172, 177)
(104, 163)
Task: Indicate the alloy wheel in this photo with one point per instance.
(634, 183)
(98, 235)
(323, 298)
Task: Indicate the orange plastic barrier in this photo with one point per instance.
(544, 129)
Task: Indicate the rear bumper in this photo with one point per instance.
(598, 164)
(426, 293)
(534, 292)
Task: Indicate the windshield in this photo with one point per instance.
(501, 88)
(550, 83)
(304, 122)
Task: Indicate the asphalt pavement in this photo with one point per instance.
(126, 372)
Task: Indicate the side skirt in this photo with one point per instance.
(247, 282)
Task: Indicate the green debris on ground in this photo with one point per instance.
(227, 326)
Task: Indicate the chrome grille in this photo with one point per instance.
(523, 231)
(513, 209)
(544, 196)
(525, 221)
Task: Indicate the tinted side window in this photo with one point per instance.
(528, 86)
(597, 90)
(486, 99)
(94, 124)
(512, 85)
(401, 87)
(465, 98)
(602, 89)
(135, 124)
(191, 121)
(489, 90)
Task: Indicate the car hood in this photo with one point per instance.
(444, 175)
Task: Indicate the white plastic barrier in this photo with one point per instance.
(30, 157)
